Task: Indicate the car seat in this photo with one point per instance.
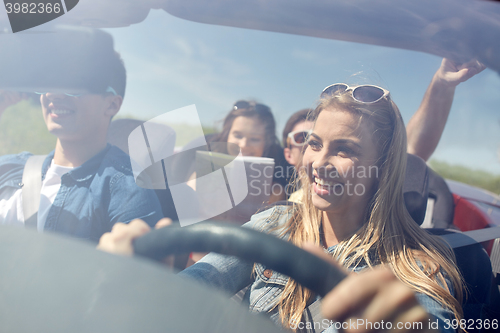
(443, 203)
(482, 297)
(416, 187)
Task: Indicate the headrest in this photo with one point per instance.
(444, 206)
(416, 187)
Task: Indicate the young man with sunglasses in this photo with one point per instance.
(87, 184)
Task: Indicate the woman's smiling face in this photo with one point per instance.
(341, 161)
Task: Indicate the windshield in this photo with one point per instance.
(172, 63)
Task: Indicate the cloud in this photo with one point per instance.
(305, 55)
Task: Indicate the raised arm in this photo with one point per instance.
(427, 124)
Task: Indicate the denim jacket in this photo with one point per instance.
(93, 196)
(232, 274)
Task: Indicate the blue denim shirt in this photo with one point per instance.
(232, 274)
(93, 196)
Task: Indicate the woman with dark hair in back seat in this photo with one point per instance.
(250, 127)
(352, 206)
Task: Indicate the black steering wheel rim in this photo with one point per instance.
(307, 269)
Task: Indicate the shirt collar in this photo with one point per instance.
(84, 171)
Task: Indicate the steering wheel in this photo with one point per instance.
(247, 244)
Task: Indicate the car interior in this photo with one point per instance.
(79, 289)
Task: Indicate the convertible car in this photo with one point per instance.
(49, 283)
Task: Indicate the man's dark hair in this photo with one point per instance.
(117, 74)
(296, 118)
(104, 66)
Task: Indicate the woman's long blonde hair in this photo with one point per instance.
(389, 236)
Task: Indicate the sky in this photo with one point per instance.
(173, 63)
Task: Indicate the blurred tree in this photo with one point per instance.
(483, 179)
(22, 128)
(183, 132)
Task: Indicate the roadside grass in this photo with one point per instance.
(478, 178)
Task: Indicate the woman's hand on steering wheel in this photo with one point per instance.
(373, 296)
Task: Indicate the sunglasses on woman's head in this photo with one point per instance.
(365, 94)
(298, 138)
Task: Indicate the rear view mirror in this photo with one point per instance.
(68, 60)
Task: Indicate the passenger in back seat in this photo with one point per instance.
(250, 128)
